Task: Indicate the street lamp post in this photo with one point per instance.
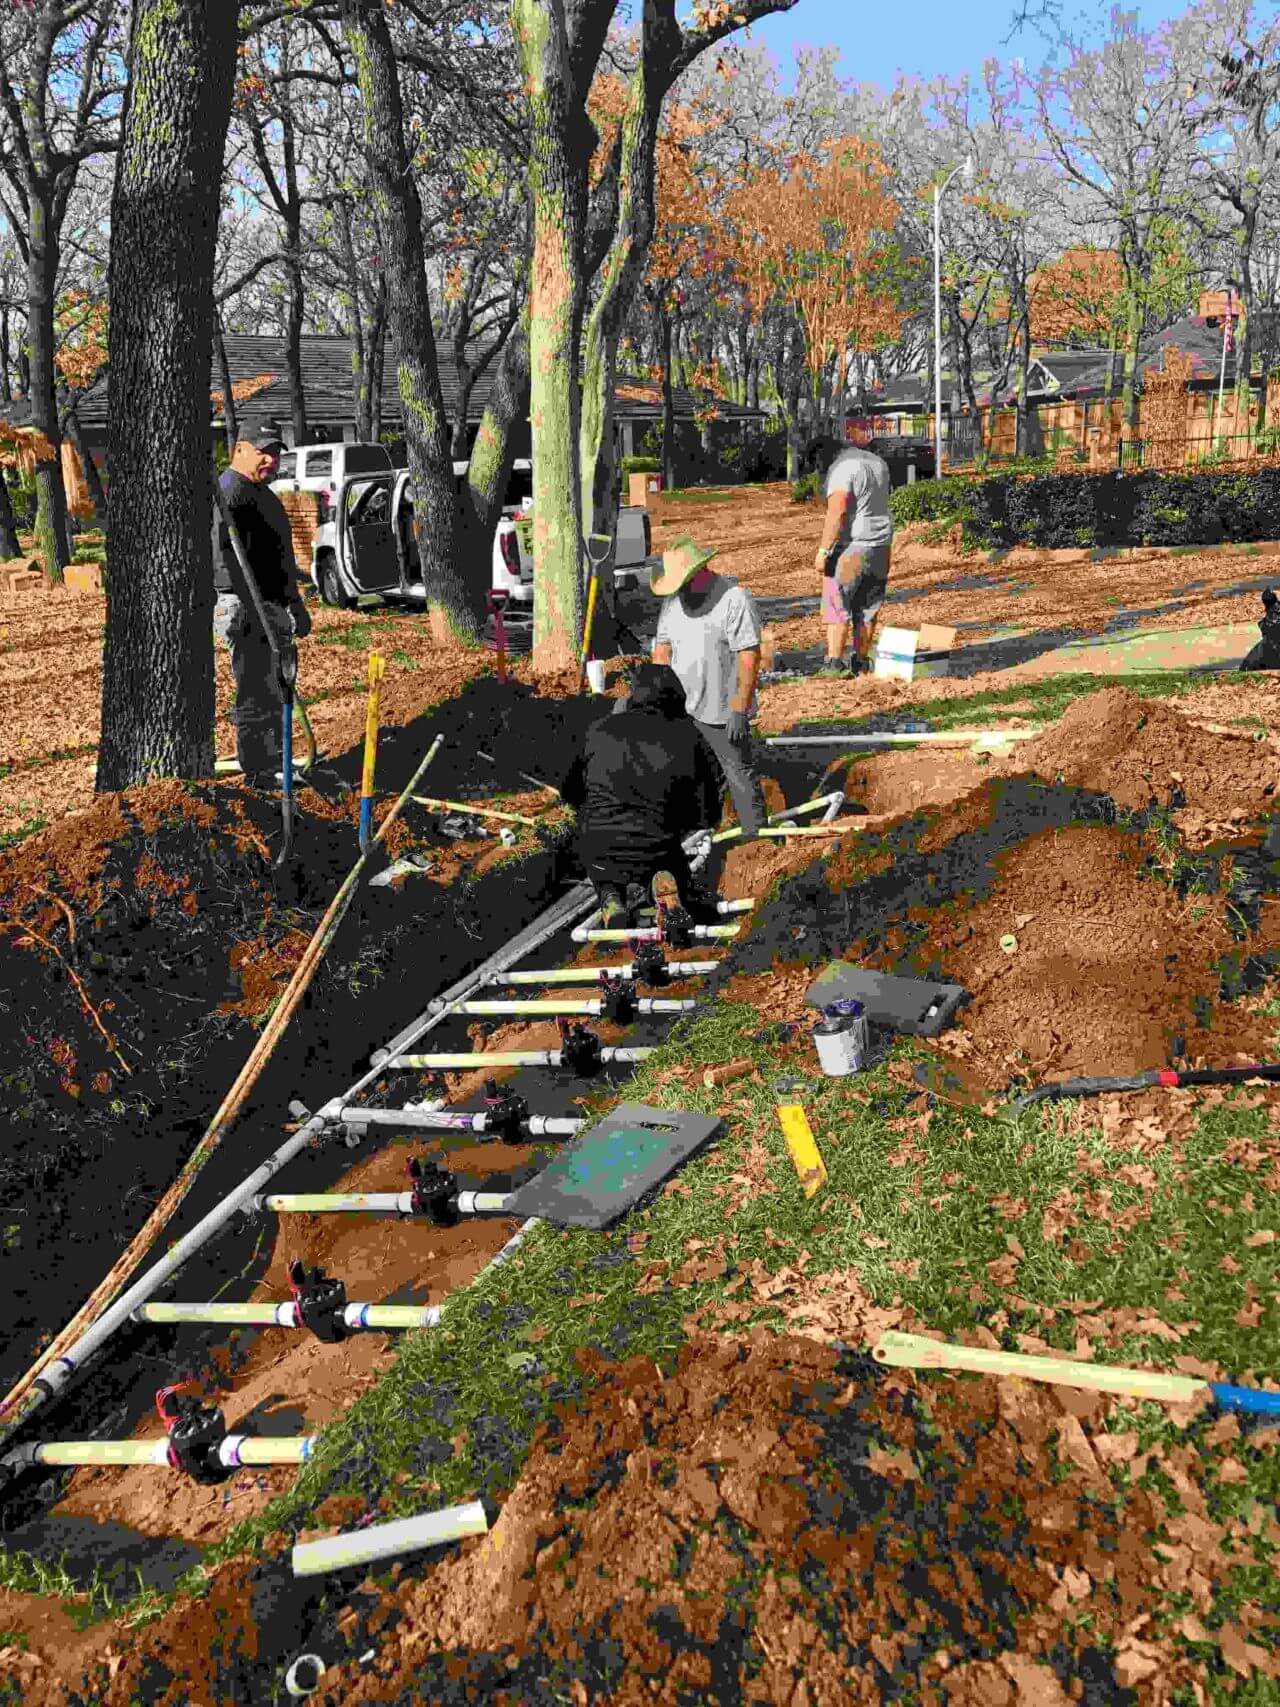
(965, 166)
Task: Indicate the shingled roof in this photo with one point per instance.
(259, 363)
(1196, 336)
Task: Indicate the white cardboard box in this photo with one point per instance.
(908, 654)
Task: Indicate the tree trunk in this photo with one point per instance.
(92, 479)
(293, 339)
(51, 499)
(359, 355)
(6, 358)
(493, 452)
(1132, 343)
(668, 407)
(8, 521)
(158, 682)
(230, 421)
(377, 359)
(466, 380)
(559, 155)
(455, 600)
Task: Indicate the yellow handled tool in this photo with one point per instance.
(377, 669)
(801, 1144)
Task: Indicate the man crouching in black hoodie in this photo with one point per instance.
(644, 782)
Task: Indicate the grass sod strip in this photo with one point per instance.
(919, 1219)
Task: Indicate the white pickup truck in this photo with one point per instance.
(364, 546)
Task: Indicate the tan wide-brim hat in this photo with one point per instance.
(680, 561)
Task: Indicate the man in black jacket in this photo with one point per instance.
(644, 782)
(263, 526)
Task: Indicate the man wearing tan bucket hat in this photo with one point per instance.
(709, 633)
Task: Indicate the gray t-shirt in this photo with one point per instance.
(865, 477)
(704, 647)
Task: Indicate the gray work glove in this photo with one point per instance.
(301, 620)
(737, 729)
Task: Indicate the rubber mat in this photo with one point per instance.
(607, 1169)
(917, 1006)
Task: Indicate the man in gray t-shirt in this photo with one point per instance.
(854, 555)
(709, 632)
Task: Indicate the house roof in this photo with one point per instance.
(258, 364)
(1050, 375)
(1195, 336)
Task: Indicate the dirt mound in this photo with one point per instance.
(1139, 750)
(1110, 971)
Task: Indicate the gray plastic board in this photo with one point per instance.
(917, 1006)
(608, 1168)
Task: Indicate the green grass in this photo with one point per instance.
(1040, 701)
(358, 638)
(713, 495)
(28, 827)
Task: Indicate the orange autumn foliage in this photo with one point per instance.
(1080, 295)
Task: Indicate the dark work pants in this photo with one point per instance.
(738, 767)
(257, 714)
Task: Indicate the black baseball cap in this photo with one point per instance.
(265, 438)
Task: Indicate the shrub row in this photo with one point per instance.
(1059, 511)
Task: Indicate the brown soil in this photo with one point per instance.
(776, 1524)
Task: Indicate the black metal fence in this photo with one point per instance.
(1203, 451)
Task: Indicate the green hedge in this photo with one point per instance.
(640, 465)
(1059, 511)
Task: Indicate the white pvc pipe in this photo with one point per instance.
(431, 1120)
(563, 1005)
(235, 1451)
(287, 1315)
(701, 933)
(386, 1540)
(355, 1203)
(506, 1058)
(924, 737)
(676, 969)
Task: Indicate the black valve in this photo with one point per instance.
(618, 1000)
(196, 1433)
(676, 926)
(435, 1193)
(579, 1049)
(649, 965)
(505, 1112)
(321, 1301)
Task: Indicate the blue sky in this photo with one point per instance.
(927, 38)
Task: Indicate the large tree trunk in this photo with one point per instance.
(494, 450)
(158, 683)
(51, 500)
(6, 359)
(455, 599)
(562, 138)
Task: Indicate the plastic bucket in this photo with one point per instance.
(841, 1039)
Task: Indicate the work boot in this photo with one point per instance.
(665, 890)
(636, 898)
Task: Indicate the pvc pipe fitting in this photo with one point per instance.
(676, 969)
(305, 1666)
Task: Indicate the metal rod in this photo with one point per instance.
(561, 1005)
(388, 1540)
(467, 806)
(512, 1058)
(286, 1315)
(676, 969)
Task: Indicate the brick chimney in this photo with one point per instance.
(1214, 305)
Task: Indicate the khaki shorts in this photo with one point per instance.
(856, 591)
